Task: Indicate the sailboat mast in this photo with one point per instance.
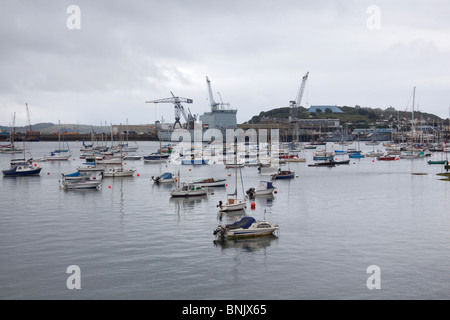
(412, 115)
(235, 168)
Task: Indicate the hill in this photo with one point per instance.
(356, 116)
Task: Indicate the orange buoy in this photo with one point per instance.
(109, 187)
(137, 174)
(253, 205)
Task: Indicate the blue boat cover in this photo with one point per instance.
(75, 174)
(244, 223)
(166, 175)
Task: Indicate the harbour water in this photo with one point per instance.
(131, 240)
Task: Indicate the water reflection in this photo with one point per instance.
(246, 245)
(231, 216)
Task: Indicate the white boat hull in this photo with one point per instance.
(57, 157)
(256, 229)
(82, 185)
(119, 173)
(234, 205)
(188, 193)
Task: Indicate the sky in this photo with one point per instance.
(100, 62)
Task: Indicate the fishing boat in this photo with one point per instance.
(263, 188)
(284, 174)
(245, 227)
(210, 182)
(167, 177)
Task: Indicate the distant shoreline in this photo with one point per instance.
(78, 137)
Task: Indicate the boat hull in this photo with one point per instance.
(16, 173)
(190, 193)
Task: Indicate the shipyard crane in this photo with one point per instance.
(214, 105)
(295, 104)
(179, 110)
(29, 121)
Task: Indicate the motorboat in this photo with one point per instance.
(284, 174)
(21, 169)
(194, 161)
(245, 227)
(375, 154)
(188, 190)
(387, 158)
(118, 172)
(166, 177)
(356, 155)
(263, 188)
(156, 157)
(437, 161)
(328, 163)
(233, 204)
(93, 181)
(77, 175)
(210, 182)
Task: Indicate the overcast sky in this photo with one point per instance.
(254, 52)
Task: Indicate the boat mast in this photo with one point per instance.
(412, 115)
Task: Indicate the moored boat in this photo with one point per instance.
(93, 181)
(263, 188)
(166, 177)
(188, 190)
(244, 228)
(21, 169)
(210, 182)
(284, 174)
(387, 158)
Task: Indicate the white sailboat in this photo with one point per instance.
(117, 172)
(233, 203)
(59, 154)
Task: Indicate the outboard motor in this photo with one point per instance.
(251, 192)
(220, 204)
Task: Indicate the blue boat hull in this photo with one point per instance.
(14, 173)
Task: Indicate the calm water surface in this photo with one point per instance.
(132, 241)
